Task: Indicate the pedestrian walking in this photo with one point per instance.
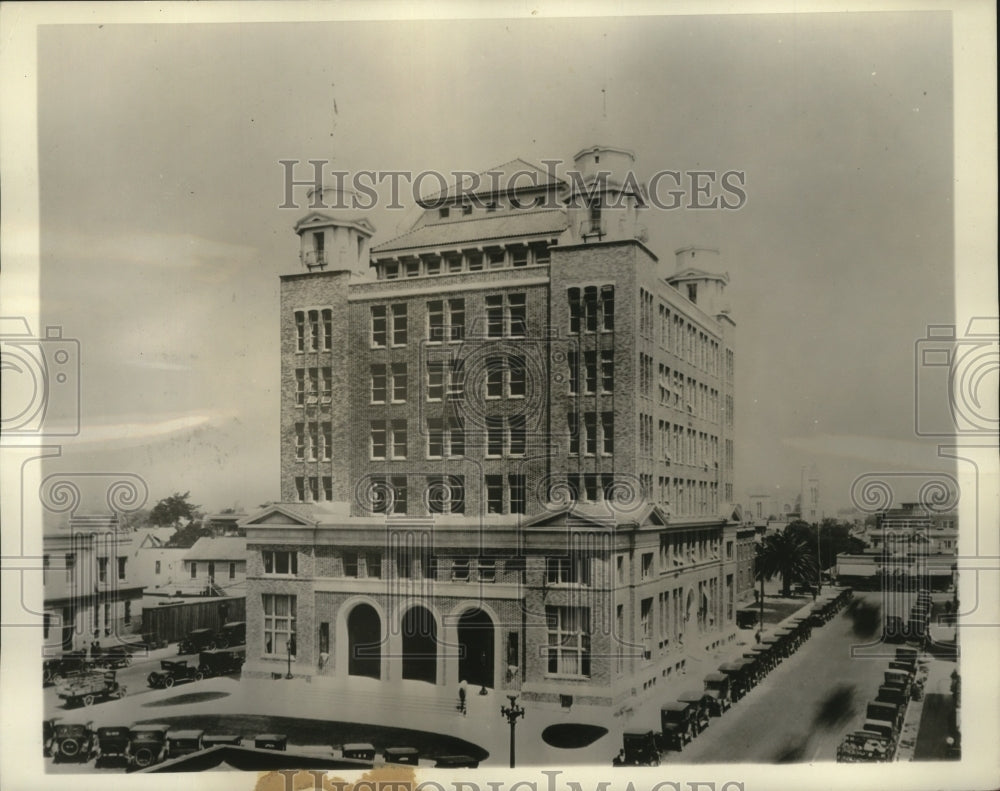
(461, 698)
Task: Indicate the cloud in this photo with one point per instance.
(889, 453)
(142, 431)
(166, 250)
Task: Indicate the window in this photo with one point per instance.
(573, 569)
(399, 325)
(279, 624)
(121, 567)
(647, 565)
(475, 261)
(497, 259)
(517, 498)
(300, 386)
(608, 432)
(327, 329)
(573, 359)
(276, 562)
(590, 431)
(505, 436)
(506, 316)
(433, 266)
(232, 570)
(487, 569)
(194, 569)
(646, 626)
(102, 569)
(398, 382)
(324, 637)
(399, 439)
(350, 564)
(378, 325)
(300, 488)
(568, 640)
(574, 433)
(378, 439)
(390, 495)
(494, 494)
(692, 292)
(446, 494)
(591, 309)
(378, 382)
(156, 569)
(444, 211)
(70, 560)
(542, 254)
(519, 256)
(328, 487)
(590, 368)
(300, 331)
(314, 336)
(494, 317)
(607, 308)
(391, 271)
(460, 569)
(411, 268)
(518, 317)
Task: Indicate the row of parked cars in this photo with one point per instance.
(916, 627)
(216, 662)
(140, 746)
(684, 719)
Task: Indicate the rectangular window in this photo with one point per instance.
(446, 494)
(435, 438)
(435, 321)
(590, 369)
(373, 565)
(279, 624)
(475, 261)
(574, 433)
(590, 426)
(324, 638)
(378, 384)
(573, 569)
(517, 496)
(277, 562)
(608, 432)
(494, 317)
(300, 331)
(573, 359)
(399, 439)
(156, 570)
(494, 494)
(314, 331)
(313, 441)
(102, 569)
(378, 439)
(519, 256)
(517, 377)
(121, 568)
(494, 379)
(647, 565)
(327, 329)
(399, 325)
(568, 640)
(399, 382)
(411, 268)
(518, 326)
(516, 435)
(456, 379)
(300, 488)
(194, 569)
(607, 370)
(494, 436)
(300, 386)
(326, 384)
(456, 437)
(350, 564)
(326, 441)
(232, 570)
(460, 569)
(608, 308)
(391, 271)
(590, 308)
(328, 488)
(378, 325)
(435, 380)
(433, 266)
(498, 258)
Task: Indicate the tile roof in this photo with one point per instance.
(499, 226)
(228, 548)
(491, 184)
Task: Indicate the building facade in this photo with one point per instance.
(507, 459)
(90, 590)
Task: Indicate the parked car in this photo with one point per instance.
(172, 672)
(402, 755)
(271, 741)
(147, 744)
(699, 702)
(640, 748)
(888, 712)
(677, 724)
(115, 657)
(86, 689)
(152, 641)
(361, 751)
(892, 694)
(184, 742)
(717, 690)
(232, 633)
(864, 747)
(221, 661)
(198, 640)
(212, 739)
(59, 667)
(739, 674)
(73, 741)
(456, 762)
(112, 744)
(48, 734)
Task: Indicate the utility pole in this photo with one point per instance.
(819, 564)
(512, 712)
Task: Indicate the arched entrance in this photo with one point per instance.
(364, 637)
(475, 640)
(419, 645)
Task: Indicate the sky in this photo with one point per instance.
(162, 240)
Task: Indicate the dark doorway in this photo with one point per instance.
(475, 640)
(364, 638)
(419, 645)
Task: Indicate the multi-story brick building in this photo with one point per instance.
(507, 459)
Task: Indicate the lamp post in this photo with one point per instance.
(819, 564)
(288, 647)
(512, 712)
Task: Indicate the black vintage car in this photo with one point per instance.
(112, 744)
(888, 712)
(184, 742)
(171, 673)
(147, 744)
(360, 751)
(221, 661)
(639, 748)
(115, 657)
(892, 694)
(212, 739)
(677, 724)
(73, 741)
(409, 756)
(717, 690)
(49, 734)
(740, 677)
(198, 640)
(58, 667)
(232, 633)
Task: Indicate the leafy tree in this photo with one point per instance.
(786, 555)
(834, 539)
(187, 535)
(171, 510)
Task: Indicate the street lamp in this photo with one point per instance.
(288, 647)
(512, 712)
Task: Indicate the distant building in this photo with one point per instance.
(157, 567)
(90, 590)
(811, 504)
(215, 567)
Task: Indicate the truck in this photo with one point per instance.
(865, 747)
(86, 689)
(221, 661)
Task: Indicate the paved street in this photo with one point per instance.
(803, 708)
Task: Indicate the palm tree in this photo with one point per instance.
(787, 555)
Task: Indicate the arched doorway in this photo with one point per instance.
(364, 638)
(475, 640)
(419, 645)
